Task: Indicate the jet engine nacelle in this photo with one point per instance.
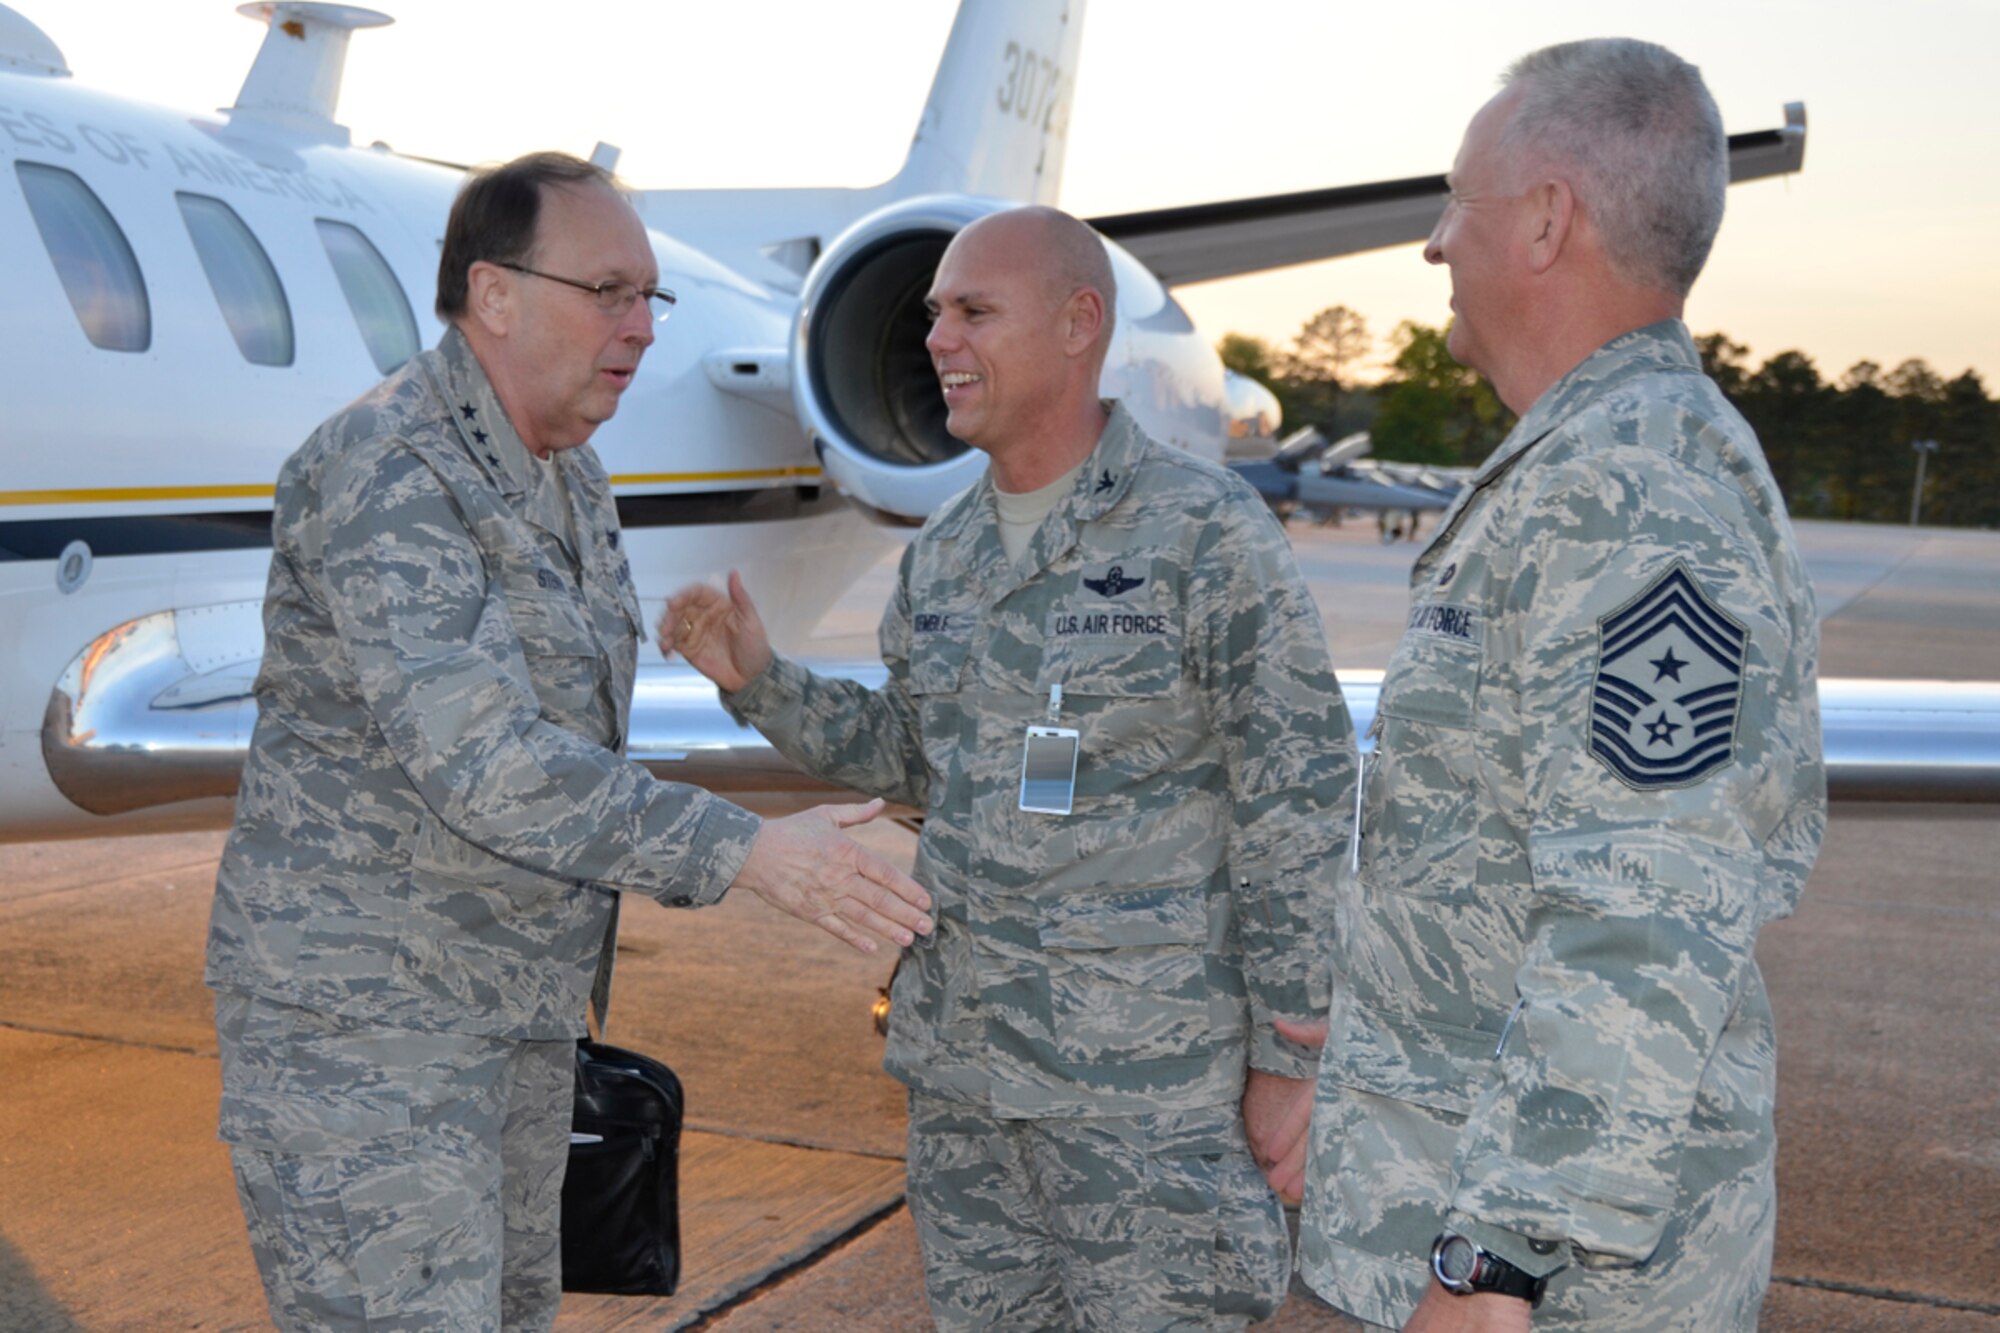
(861, 379)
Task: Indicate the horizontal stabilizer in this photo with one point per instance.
(1202, 242)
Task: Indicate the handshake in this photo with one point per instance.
(803, 864)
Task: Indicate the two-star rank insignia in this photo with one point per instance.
(1114, 583)
(1669, 685)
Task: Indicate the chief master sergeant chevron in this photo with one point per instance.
(1076, 1040)
(1597, 772)
(436, 820)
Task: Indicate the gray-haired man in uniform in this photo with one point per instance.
(1546, 1096)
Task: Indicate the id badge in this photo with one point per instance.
(1048, 770)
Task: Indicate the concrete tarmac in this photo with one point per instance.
(117, 1212)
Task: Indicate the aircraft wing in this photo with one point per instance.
(1201, 242)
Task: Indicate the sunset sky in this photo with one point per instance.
(1884, 248)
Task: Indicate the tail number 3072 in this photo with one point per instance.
(1029, 85)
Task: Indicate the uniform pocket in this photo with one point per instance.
(937, 659)
(564, 664)
(303, 1125)
(1420, 809)
(1438, 1066)
(1140, 665)
(1392, 1103)
(1127, 974)
(550, 625)
(1215, 1226)
(338, 1185)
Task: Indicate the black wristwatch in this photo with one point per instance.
(1463, 1268)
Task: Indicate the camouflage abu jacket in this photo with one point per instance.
(435, 815)
(1597, 774)
(1126, 957)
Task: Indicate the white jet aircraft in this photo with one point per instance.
(187, 296)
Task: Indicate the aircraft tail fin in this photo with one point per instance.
(998, 111)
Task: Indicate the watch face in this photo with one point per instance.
(1457, 1259)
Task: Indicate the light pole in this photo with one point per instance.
(1922, 449)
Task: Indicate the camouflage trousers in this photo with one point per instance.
(394, 1179)
(1158, 1221)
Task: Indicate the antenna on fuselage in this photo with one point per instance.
(294, 84)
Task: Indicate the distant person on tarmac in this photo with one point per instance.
(420, 894)
(1545, 1100)
(1109, 693)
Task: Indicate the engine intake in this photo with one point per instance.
(861, 379)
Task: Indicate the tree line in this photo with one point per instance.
(1839, 449)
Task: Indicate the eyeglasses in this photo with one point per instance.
(613, 298)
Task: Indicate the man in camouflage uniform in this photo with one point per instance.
(1092, 1024)
(435, 818)
(1597, 772)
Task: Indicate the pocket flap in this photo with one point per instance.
(1408, 1060)
(1431, 680)
(550, 625)
(1133, 667)
(1115, 919)
(311, 1126)
(937, 660)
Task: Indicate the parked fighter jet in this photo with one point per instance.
(1329, 479)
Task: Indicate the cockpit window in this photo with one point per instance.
(240, 274)
(99, 272)
(373, 293)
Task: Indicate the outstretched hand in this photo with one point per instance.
(805, 865)
(721, 636)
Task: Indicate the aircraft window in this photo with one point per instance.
(373, 293)
(240, 274)
(99, 272)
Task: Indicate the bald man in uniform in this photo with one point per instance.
(1091, 1031)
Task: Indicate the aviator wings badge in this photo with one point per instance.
(1113, 584)
(1669, 685)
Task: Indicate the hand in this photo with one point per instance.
(1305, 1034)
(1482, 1312)
(721, 637)
(803, 864)
(1277, 1113)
